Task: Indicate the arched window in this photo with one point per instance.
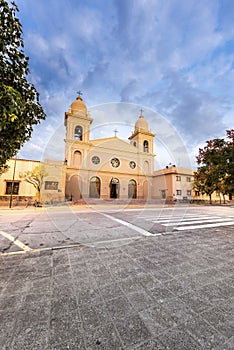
(77, 159)
(146, 146)
(78, 134)
(132, 189)
(134, 144)
(94, 187)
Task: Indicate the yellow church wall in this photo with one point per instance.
(53, 187)
(22, 190)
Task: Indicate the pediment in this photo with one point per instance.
(114, 143)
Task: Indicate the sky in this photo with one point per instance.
(172, 58)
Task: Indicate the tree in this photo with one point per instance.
(216, 171)
(20, 109)
(35, 177)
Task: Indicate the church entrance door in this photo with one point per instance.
(94, 187)
(73, 188)
(132, 189)
(114, 188)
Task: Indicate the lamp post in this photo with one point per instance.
(12, 184)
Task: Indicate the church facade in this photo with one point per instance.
(106, 167)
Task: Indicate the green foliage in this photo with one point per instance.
(216, 171)
(35, 177)
(20, 109)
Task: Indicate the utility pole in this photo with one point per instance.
(12, 184)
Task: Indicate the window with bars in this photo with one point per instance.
(51, 185)
(12, 187)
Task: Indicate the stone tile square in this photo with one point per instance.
(93, 315)
(132, 330)
(203, 333)
(183, 284)
(174, 311)
(41, 285)
(130, 284)
(65, 328)
(88, 295)
(7, 324)
(152, 344)
(119, 307)
(145, 264)
(10, 302)
(181, 269)
(111, 291)
(214, 293)
(34, 337)
(104, 279)
(123, 272)
(71, 343)
(63, 305)
(161, 275)
(160, 293)
(105, 338)
(229, 345)
(140, 300)
(221, 320)
(155, 321)
(196, 300)
(178, 340)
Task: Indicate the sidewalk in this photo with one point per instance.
(167, 292)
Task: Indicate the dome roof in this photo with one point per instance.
(141, 124)
(78, 105)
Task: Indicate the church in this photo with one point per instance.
(107, 168)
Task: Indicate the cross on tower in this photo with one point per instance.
(115, 131)
(79, 93)
(141, 110)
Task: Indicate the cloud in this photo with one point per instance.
(172, 57)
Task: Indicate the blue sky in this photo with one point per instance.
(173, 58)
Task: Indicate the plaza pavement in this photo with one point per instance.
(174, 291)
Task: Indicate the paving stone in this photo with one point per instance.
(140, 300)
(196, 300)
(7, 324)
(152, 344)
(221, 320)
(88, 295)
(132, 330)
(178, 340)
(157, 290)
(229, 345)
(154, 321)
(32, 337)
(105, 338)
(111, 291)
(65, 328)
(93, 315)
(130, 284)
(203, 333)
(63, 305)
(119, 307)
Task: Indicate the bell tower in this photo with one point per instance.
(143, 139)
(77, 122)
